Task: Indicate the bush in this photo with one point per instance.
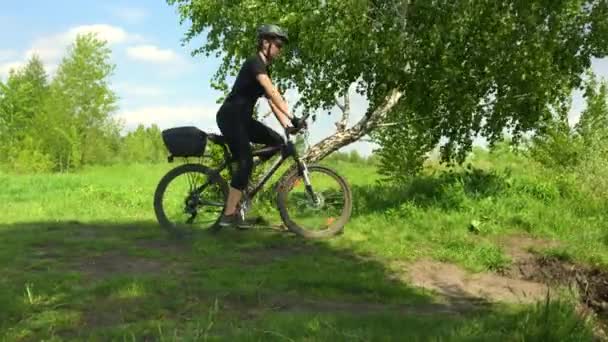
(28, 158)
(579, 155)
(350, 157)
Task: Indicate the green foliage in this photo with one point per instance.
(593, 124)
(66, 124)
(143, 145)
(82, 96)
(401, 156)
(466, 68)
(26, 157)
(593, 130)
(21, 101)
(351, 157)
(60, 281)
(492, 86)
(578, 154)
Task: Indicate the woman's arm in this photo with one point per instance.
(283, 119)
(276, 102)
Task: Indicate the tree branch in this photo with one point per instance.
(345, 108)
(367, 123)
(341, 106)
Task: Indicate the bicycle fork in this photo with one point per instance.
(307, 184)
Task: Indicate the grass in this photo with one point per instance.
(81, 258)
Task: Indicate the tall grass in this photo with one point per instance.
(56, 230)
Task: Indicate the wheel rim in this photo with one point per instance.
(186, 207)
(322, 212)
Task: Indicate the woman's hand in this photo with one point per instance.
(298, 123)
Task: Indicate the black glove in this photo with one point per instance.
(291, 130)
(298, 123)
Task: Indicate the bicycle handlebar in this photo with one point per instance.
(293, 130)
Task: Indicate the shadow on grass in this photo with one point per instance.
(108, 281)
(445, 190)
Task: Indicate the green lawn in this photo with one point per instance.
(82, 258)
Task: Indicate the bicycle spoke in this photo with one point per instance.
(192, 199)
(320, 212)
(211, 203)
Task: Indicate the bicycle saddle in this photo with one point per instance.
(217, 138)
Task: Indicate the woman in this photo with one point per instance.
(235, 116)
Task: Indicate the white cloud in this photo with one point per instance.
(5, 68)
(173, 63)
(7, 54)
(138, 90)
(151, 53)
(201, 116)
(109, 33)
(51, 48)
(131, 15)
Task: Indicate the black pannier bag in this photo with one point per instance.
(187, 141)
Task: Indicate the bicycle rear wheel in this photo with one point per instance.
(319, 212)
(190, 197)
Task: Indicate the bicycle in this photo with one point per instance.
(309, 205)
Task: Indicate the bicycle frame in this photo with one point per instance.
(287, 151)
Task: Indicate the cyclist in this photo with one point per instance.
(235, 116)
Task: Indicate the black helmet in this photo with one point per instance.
(272, 31)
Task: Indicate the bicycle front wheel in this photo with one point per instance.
(190, 197)
(318, 211)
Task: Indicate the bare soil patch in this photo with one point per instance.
(115, 263)
(453, 282)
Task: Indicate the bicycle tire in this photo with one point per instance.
(159, 210)
(336, 227)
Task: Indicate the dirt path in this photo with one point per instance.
(452, 281)
(528, 280)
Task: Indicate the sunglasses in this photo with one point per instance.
(278, 43)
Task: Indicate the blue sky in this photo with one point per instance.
(156, 78)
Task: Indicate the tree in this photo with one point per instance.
(560, 146)
(67, 123)
(143, 145)
(593, 124)
(489, 67)
(78, 125)
(458, 68)
(592, 131)
(21, 101)
(555, 144)
(579, 154)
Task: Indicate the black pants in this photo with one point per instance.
(240, 131)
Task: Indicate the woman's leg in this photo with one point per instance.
(234, 197)
(241, 137)
(237, 136)
(262, 134)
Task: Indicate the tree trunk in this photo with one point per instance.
(344, 137)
